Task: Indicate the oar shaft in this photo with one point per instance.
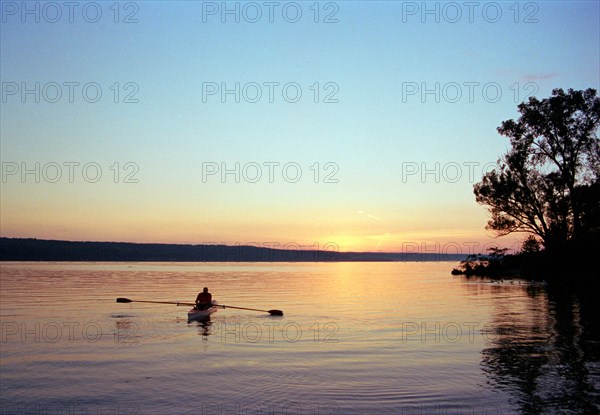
(127, 300)
(159, 302)
(242, 308)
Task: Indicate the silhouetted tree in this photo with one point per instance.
(530, 244)
(496, 252)
(547, 183)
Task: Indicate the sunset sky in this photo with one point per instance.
(372, 165)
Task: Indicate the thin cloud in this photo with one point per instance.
(368, 215)
(540, 76)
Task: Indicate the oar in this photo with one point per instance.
(271, 312)
(127, 300)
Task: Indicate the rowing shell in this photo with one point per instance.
(195, 314)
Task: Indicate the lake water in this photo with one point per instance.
(356, 338)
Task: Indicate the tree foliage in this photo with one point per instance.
(530, 244)
(547, 184)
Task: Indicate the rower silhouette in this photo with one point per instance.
(204, 300)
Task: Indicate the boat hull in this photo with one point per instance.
(194, 314)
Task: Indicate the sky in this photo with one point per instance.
(352, 124)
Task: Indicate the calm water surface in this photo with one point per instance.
(356, 338)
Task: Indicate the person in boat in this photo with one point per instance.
(204, 300)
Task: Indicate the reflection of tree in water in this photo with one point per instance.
(546, 353)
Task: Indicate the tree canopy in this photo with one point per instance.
(547, 184)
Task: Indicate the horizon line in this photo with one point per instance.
(240, 245)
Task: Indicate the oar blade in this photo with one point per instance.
(123, 300)
(276, 312)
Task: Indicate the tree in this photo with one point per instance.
(547, 183)
(530, 244)
(497, 252)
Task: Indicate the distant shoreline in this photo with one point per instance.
(32, 249)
